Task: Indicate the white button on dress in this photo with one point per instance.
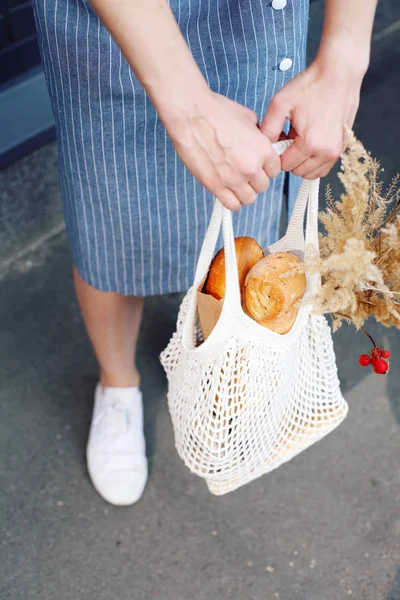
(279, 4)
(285, 64)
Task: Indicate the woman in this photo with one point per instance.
(135, 84)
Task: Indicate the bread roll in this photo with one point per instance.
(273, 290)
(248, 252)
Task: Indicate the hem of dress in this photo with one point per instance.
(105, 288)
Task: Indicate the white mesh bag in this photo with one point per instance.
(248, 399)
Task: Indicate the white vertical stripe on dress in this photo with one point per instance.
(224, 49)
(84, 149)
(127, 183)
(273, 186)
(99, 199)
(160, 237)
(212, 46)
(208, 82)
(146, 166)
(236, 52)
(257, 59)
(301, 34)
(244, 210)
(178, 265)
(263, 110)
(99, 62)
(267, 195)
(188, 236)
(195, 186)
(89, 266)
(238, 72)
(256, 207)
(116, 172)
(305, 12)
(284, 38)
(295, 57)
(168, 213)
(247, 55)
(178, 270)
(185, 199)
(135, 154)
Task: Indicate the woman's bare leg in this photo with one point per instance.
(112, 322)
(116, 450)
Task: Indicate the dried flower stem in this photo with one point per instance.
(362, 328)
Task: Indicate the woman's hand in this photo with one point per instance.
(319, 103)
(220, 143)
(324, 98)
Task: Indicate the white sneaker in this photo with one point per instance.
(116, 450)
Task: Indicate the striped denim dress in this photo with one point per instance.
(135, 216)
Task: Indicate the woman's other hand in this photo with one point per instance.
(320, 102)
(324, 98)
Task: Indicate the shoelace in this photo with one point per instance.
(114, 420)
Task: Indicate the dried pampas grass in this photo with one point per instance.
(359, 259)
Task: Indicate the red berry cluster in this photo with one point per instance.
(376, 358)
